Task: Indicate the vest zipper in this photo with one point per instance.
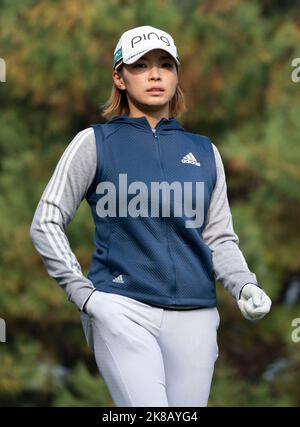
(173, 294)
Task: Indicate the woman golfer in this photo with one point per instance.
(163, 234)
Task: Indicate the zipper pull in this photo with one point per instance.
(154, 132)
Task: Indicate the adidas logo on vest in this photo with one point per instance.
(190, 158)
(118, 279)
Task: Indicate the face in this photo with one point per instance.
(155, 69)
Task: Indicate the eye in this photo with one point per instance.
(141, 65)
(138, 65)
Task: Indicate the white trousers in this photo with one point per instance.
(149, 356)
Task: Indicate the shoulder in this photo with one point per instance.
(200, 138)
(217, 154)
(209, 145)
(218, 161)
(85, 135)
(207, 141)
(83, 142)
(104, 130)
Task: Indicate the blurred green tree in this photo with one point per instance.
(236, 73)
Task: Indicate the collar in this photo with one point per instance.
(142, 123)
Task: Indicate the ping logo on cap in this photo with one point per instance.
(139, 38)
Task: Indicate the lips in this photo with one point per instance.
(155, 89)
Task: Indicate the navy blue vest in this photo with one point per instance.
(152, 257)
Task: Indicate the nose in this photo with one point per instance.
(154, 73)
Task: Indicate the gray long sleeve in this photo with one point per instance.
(56, 208)
(229, 264)
(66, 189)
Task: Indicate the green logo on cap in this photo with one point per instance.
(117, 55)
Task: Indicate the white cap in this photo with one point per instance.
(138, 41)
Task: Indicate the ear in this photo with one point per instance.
(118, 80)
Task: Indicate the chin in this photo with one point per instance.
(156, 101)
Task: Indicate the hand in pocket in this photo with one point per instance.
(99, 306)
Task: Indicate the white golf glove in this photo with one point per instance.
(254, 303)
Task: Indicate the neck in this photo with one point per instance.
(153, 117)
